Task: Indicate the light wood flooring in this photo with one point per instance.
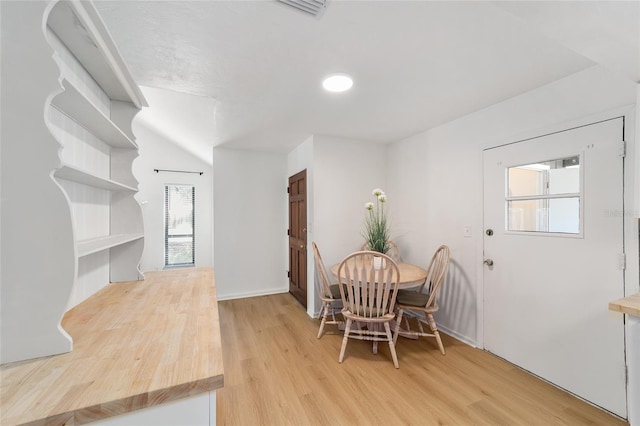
(277, 373)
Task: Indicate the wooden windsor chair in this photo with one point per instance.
(329, 293)
(368, 297)
(422, 305)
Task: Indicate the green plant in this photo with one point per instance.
(376, 226)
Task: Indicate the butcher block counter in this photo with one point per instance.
(628, 305)
(135, 345)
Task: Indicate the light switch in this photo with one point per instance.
(467, 231)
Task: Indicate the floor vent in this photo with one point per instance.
(312, 7)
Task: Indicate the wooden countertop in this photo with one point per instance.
(135, 345)
(628, 305)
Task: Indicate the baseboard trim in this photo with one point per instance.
(457, 336)
(266, 292)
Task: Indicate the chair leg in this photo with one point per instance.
(420, 324)
(344, 340)
(397, 329)
(392, 346)
(434, 329)
(406, 323)
(323, 311)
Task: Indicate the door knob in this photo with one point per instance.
(301, 246)
(488, 262)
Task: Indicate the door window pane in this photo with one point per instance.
(545, 215)
(544, 197)
(179, 242)
(550, 177)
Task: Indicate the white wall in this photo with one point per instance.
(250, 223)
(344, 174)
(437, 179)
(38, 258)
(636, 173)
(156, 152)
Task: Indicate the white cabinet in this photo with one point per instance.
(633, 364)
(76, 120)
(196, 410)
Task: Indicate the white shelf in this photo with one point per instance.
(80, 176)
(94, 245)
(79, 26)
(74, 47)
(75, 105)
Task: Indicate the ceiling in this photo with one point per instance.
(254, 68)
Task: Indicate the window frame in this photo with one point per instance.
(167, 237)
(579, 195)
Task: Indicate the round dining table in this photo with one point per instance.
(410, 275)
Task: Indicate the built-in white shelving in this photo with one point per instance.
(78, 197)
(98, 103)
(95, 245)
(74, 174)
(79, 26)
(82, 110)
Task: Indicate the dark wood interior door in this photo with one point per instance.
(298, 236)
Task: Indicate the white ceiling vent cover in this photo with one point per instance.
(312, 7)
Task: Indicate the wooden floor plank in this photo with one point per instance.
(278, 373)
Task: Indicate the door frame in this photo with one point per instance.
(303, 298)
(631, 240)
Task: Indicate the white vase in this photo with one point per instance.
(379, 262)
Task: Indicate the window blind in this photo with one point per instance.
(179, 225)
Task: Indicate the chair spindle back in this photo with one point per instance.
(321, 272)
(368, 291)
(437, 271)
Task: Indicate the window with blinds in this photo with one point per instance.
(179, 225)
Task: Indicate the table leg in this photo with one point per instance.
(374, 327)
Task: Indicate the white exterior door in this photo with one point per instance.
(553, 249)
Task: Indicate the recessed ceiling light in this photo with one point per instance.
(337, 82)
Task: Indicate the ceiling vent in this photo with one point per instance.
(312, 7)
